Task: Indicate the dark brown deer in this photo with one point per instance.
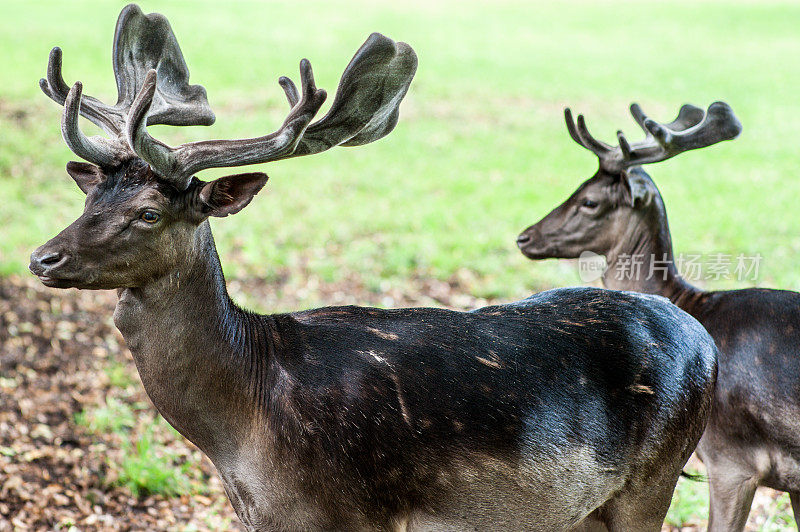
(753, 437)
(526, 416)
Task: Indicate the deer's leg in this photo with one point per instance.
(731, 497)
(640, 511)
(795, 498)
(642, 505)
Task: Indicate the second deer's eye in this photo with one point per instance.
(589, 204)
(149, 217)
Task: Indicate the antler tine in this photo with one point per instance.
(660, 132)
(308, 86)
(573, 130)
(581, 135)
(638, 115)
(610, 158)
(594, 144)
(688, 116)
(290, 89)
(624, 146)
(54, 86)
(157, 154)
(95, 149)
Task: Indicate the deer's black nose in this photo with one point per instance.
(524, 239)
(51, 258)
(41, 262)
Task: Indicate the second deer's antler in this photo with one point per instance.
(691, 129)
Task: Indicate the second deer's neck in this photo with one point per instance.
(201, 358)
(643, 260)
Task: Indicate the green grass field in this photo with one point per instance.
(480, 151)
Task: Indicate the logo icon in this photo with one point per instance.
(591, 266)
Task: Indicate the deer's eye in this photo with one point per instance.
(150, 217)
(589, 204)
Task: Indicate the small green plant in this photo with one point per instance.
(113, 416)
(145, 465)
(119, 375)
(689, 503)
(779, 515)
(213, 520)
(66, 524)
(148, 467)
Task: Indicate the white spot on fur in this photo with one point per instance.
(383, 334)
(375, 356)
(400, 399)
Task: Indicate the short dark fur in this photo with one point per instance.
(530, 415)
(753, 436)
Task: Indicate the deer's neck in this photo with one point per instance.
(643, 259)
(199, 356)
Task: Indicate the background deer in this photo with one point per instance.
(753, 436)
(531, 415)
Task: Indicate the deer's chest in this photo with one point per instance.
(269, 495)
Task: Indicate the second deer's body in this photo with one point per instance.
(753, 435)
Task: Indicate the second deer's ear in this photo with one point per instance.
(637, 188)
(86, 175)
(230, 194)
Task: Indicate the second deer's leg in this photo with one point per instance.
(731, 497)
(795, 498)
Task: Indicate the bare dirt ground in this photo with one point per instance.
(55, 350)
(55, 474)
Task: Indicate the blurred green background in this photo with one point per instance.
(480, 152)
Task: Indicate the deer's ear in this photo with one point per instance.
(230, 194)
(637, 188)
(86, 175)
